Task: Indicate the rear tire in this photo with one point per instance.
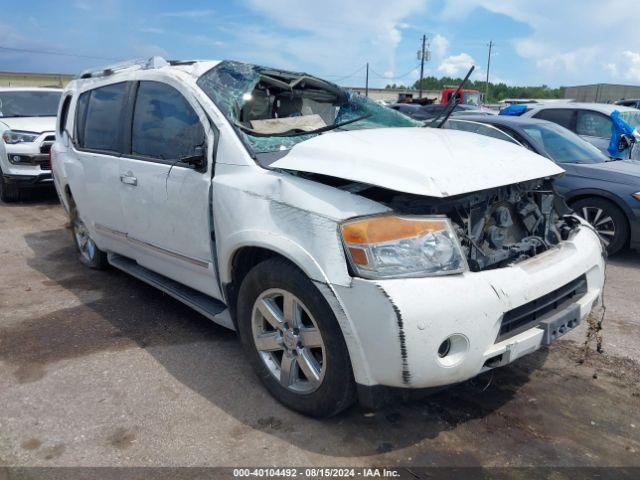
(608, 220)
(302, 359)
(89, 253)
(8, 192)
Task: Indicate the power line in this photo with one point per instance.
(397, 77)
(353, 74)
(44, 52)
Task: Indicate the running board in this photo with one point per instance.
(204, 304)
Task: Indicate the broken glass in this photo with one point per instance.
(271, 109)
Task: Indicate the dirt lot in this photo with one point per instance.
(97, 368)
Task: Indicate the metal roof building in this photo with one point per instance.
(25, 79)
(601, 92)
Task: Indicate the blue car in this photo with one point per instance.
(604, 192)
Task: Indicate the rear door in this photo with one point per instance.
(562, 116)
(165, 201)
(595, 128)
(94, 173)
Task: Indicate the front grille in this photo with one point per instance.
(45, 147)
(528, 315)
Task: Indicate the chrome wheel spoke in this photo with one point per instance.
(269, 342)
(271, 313)
(311, 337)
(608, 233)
(597, 216)
(604, 221)
(288, 370)
(291, 310)
(309, 366)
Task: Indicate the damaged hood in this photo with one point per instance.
(422, 161)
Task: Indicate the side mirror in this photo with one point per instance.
(625, 142)
(198, 160)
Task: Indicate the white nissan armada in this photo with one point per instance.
(357, 253)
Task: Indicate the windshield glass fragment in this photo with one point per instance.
(273, 110)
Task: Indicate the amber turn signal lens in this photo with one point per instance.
(388, 229)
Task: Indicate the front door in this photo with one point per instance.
(165, 200)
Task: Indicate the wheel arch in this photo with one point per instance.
(574, 196)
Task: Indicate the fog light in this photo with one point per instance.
(445, 348)
(453, 350)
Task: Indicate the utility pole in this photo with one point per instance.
(422, 55)
(486, 87)
(366, 82)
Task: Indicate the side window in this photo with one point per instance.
(165, 126)
(593, 124)
(561, 116)
(64, 114)
(81, 115)
(103, 118)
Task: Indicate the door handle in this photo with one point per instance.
(129, 180)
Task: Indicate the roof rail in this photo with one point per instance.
(139, 64)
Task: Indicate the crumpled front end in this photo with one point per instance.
(435, 331)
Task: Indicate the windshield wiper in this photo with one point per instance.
(453, 101)
(297, 132)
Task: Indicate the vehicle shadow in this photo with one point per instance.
(40, 196)
(625, 258)
(118, 312)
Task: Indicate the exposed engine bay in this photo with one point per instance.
(497, 227)
(502, 226)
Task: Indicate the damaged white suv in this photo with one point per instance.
(355, 252)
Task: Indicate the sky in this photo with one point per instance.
(551, 42)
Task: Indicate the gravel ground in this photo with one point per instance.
(99, 369)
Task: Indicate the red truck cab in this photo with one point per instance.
(467, 96)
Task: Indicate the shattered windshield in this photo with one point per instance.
(273, 110)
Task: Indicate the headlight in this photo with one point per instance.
(636, 196)
(394, 246)
(14, 136)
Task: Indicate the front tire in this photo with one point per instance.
(607, 219)
(9, 193)
(293, 340)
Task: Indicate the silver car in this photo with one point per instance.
(592, 121)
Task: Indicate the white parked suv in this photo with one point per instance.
(27, 123)
(357, 253)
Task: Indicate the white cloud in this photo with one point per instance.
(568, 41)
(153, 30)
(82, 5)
(440, 45)
(456, 65)
(189, 14)
(332, 36)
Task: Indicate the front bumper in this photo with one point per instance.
(399, 325)
(38, 180)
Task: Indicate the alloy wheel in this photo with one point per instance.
(86, 246)
(288, 341)
(601, 221)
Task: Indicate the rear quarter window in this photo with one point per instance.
(593, 124)
(562, 116)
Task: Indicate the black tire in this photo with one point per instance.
(336, 390)
(610, 218)
(91, 256)
(8, 192)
